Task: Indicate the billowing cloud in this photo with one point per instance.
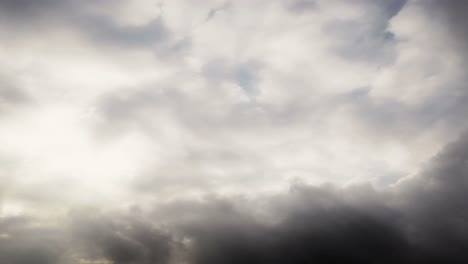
(421, 219)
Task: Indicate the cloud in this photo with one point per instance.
(106, 31)
(453, 15)
(314, 231)
(119, 239)
(246, 75)
(12, 94)
(245, 83)
(233, 132)
(421, 219)
(90, 20)
(367, 38)
(434, 203)
(301, 5)
(23, 242)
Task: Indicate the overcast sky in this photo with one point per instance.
(234, 132)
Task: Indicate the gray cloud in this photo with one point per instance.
(84, 18)
(391, 116)
(444, 108)
(23, 242)
(362, 41)
(121, 239)
(367, 39)
(299, 6)
(27, 9)
(453, 14)
(390, 8)
(105, 30)
(422, 220)
(12, 95)
(246, 75)
(435, 212)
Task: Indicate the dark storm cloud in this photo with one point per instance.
(87, 235)
(317, 228)
(123, 240)
(436, 214)
(423, 219)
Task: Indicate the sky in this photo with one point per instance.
(234, 132)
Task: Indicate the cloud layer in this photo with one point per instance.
(288, 131)
(420, 220)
